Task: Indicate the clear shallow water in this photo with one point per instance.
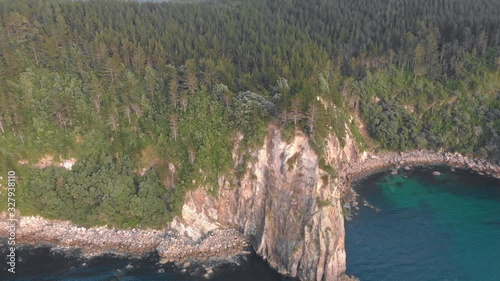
(428, 228)
(42, 264)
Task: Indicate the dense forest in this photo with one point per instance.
(152, 97)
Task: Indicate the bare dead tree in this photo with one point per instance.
(174, 122)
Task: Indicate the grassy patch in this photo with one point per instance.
(322, 203)
(292, 160)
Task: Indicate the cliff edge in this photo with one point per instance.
(287, 206)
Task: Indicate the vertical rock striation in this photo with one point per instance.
(285, 204)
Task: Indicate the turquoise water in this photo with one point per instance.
(428, 227)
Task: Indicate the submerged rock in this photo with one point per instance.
(436, 173)
(209, 273)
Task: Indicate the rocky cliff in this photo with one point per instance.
(287, 206)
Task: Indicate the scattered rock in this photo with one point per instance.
(419, 157)
(407, 168)
(209, 273)
(217, 243)
(92, 241)
(436, 173)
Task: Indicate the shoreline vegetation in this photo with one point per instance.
(220, 243)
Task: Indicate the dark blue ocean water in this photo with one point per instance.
(428, 228)
(43, 264)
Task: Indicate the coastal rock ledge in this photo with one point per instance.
(377, 162)
(95, 241)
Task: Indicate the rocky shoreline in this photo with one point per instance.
(377, 162)
(91, 241)
(95, 241)
(373, 163)
(219, 244)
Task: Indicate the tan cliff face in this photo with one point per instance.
(285, 204)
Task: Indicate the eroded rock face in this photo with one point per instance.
(285, 204)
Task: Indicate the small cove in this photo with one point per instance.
(428, 227)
